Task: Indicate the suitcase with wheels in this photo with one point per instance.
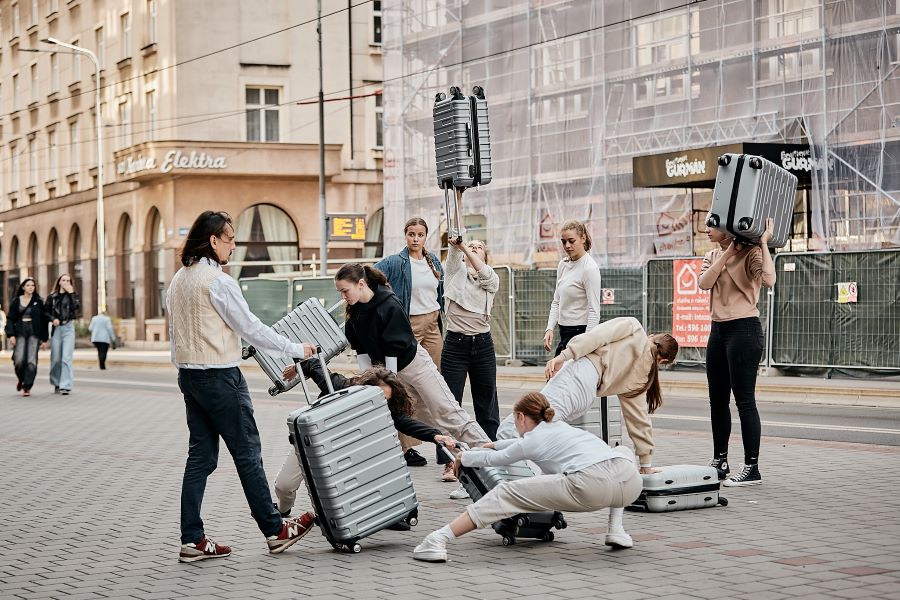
(680, 487)
(478, 481)
(749, 190)
(354, 470)
(603, 419)
(309, 323)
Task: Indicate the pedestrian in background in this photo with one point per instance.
(470, 284)
(27, 331)
(63, 306)
(208, 318)
(102, 336)
(416, 276)
(734, 274)
(2, 329)
(577, 297)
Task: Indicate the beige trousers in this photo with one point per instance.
(428, 334)
(612, 483)
(288, 481)
(435, 403)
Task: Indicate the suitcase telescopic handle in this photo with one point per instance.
(446, 451)
(327, 377)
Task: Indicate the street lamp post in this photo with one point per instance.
(101, 225)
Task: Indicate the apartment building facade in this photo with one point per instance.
(207, 104)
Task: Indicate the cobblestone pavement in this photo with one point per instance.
(90, 495)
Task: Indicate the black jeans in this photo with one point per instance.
(102, 349)
(732, 360)
(473, 356)
(566, 333)
(217, 403)
(25, 357)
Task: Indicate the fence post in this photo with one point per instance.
(645, 280)
(512, 313)
(770, 327)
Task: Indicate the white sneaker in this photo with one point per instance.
(432, 549)
(459, 493)
(619, 540)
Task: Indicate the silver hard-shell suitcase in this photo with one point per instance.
(309, 323)
(680, 487)
(462, 139)
(354, 469)
(478, 481)
(749, 190)
(603, 419)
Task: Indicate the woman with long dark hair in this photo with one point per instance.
(26, 330)
(63, 307)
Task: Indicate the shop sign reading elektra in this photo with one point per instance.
(174, 159)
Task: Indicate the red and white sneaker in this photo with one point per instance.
(205, 548)
(291, 532)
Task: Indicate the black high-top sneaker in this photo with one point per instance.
(749, 475)
(721, 465)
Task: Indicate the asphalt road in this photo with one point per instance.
(865, 425)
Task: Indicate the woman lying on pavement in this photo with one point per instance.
(580, 474)
(614, 358)
(400, 403)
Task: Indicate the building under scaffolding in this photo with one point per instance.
(612, 112)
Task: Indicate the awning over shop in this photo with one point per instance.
(697, 168)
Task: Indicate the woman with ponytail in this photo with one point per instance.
(417, 278)
(580, 474)
(378, 329)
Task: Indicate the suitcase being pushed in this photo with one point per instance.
(478, 481)
(354, 469)
(680, 487)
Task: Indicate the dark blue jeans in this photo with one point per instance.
(732, 360)
(218, 404)
(473, 356)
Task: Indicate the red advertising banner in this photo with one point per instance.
(690, 304)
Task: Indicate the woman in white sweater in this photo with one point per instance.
(580, 474)
(576, 301)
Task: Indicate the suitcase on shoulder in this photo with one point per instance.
(680, 487)
(311, 323)
(353, 466)
(603, 419)
(478, 481)
(749, 190)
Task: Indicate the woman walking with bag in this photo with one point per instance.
(27, 331)
(734, 274)
(576, 300)
(416, 276)
(63, 307)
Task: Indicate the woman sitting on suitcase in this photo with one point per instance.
(618, 358)
(290, 476)
(378, 329)
(580, 474)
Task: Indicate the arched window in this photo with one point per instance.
(374, 244)
(14, 275)
(3, 296)
(76, 269)
(264, 233)
(34, 262)
(126, 271)
(156, 272)
(54, 256)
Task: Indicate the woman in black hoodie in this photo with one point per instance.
(26, 330)
(378, 329)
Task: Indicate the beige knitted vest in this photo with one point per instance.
(201, 336)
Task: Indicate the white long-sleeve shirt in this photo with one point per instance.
(577, 298)
(555, 447)
(227, 299)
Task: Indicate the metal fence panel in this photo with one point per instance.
(269, 299)
(501, 314)
(628, 285)
(533, 292)
(803, 309)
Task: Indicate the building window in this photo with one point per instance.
(76, 63)
(379, 121)
(32, 163)
(560, 62)
(54, 72)
(100, 45)
(16, 96)
(14, 167)
(34, 12)
(788, 17)
(376, 22)
(262, 114)
(34, 83)
(151, 21)
(790, 66)
(660, 40)
(52, 154)
(74, 147)
(124, 123)
(125, 24)
(151, 115)
(17, 21)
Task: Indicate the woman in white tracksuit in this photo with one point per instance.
(616, 358)
(580, 474)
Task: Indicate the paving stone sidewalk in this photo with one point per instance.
(90, 494)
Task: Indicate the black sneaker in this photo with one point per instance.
(749, 475)
(721, 465)
(414, 459)
(284, 514)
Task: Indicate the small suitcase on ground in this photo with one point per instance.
(680, 487)
(750, 189)
(311, 323)
(352, 463)
(603, 419)
(478, 481)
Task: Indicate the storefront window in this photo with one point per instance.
(126, 269)
(264, 233)
(156, 267)
(54, 253)
(76, 270)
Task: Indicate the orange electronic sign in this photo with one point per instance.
(347, 228)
